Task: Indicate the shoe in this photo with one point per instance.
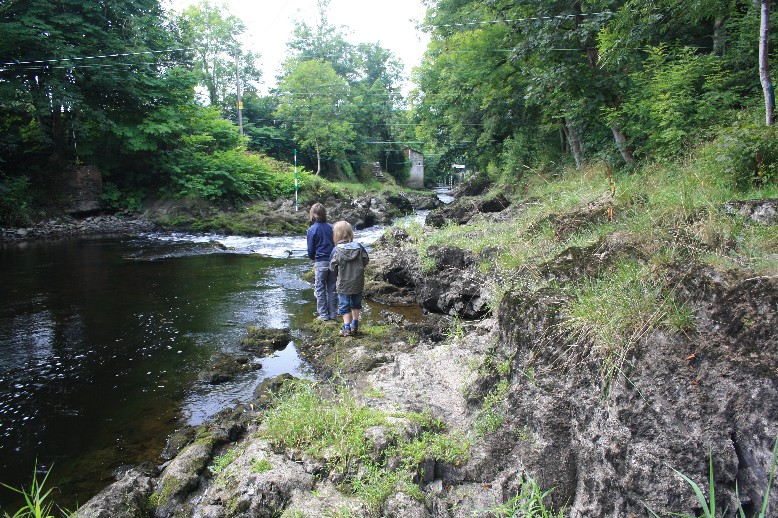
(323, 319)
(345, 331)
(354, 327)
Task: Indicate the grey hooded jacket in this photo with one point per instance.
(348, 261)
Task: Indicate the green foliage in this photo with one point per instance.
(36, 499)
(328, 423)
(674, 99)
(747, 151)
(319, 125)
(528, 503)
(213, 35)
(15, 200)
(129, 202)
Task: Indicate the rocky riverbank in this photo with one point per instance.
(517, 395)
(261, 218)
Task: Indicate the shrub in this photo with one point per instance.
(15, 201)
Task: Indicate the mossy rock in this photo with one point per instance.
(264, 341)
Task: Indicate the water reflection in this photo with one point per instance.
(101, 342)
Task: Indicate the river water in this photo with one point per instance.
(102, 340)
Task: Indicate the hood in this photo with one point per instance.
(350, 251)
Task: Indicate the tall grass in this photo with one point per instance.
(608, 315)
(37, 503)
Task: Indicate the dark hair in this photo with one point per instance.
(318, 213)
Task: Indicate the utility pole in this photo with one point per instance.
(240, 101)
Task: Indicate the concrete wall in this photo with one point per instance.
(416, 179)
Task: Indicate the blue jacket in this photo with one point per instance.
(320, 242)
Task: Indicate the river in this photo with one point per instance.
(102, 340)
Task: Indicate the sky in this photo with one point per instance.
(270, 23)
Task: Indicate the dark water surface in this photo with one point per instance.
(102, 339)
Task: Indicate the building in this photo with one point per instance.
(416, 178)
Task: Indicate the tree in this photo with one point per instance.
(764, 64)
(212, 34)
(309, 100)
(80, 70)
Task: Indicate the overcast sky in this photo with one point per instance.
(270, 22)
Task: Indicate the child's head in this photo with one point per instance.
(342, 231)
(318, 213)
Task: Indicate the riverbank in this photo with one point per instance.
(570, 348)
(259, 218)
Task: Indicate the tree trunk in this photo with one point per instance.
(575, 144)
(318, 160)
(621, 143)
(764, 65)
(719, 35)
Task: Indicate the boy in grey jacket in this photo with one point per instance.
(348, 261)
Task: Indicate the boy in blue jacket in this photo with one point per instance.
(320, 245)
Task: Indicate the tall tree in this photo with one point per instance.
(76, 70)
(213, 34)
(309, 100)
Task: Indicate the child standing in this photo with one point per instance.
(320, 245)
(348, 262)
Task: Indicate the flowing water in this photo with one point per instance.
(102, 340)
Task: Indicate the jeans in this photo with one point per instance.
(324, 289)
(348, 302)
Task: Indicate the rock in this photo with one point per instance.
(462, 210)
(178, 440)
(225, 367)
(267, 388)
(402, 505)
(613, 456)
(473, 186)
(265, 341)
(126, 498)
(763, 211)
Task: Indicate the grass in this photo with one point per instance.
(261, 466)
(36, 499)
(491, 415)
(708, 504)
(221, 462)
(610, 314)
(528, 503)
(328, 423)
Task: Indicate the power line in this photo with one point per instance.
(76, 58)
(519, 20)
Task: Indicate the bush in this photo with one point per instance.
(747, 152)
(674, 99)
(15, 201)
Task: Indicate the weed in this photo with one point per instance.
(528, 503)
(36, 504)
(491, 415)
(611, 313)
(529, 373)
(375, 393)
(261, 466)
(327, 422)
(221, 462)
(708, 505)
